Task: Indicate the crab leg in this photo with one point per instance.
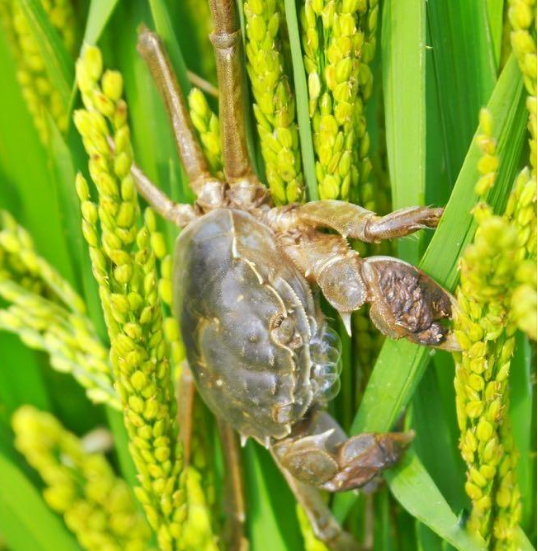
(405, 302)
(358, 223)
(235, 496)
(208, 189)
(325, 526)
(226, 39)
(234, 531)
(318, 452)
(186, 394)
(177, 213)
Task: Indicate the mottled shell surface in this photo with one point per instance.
(250, 325)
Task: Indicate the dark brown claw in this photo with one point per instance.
(362, 458)
(320, 453)
(407, 303)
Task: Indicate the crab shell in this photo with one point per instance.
(256, 341)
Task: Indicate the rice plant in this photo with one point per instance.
(104, 445)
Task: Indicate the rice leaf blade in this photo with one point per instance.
(415, 490)
(465, 69)
(495, 18)
(25, 187)
(435, 445)
(266, 489)
(99, 14)
(26, 522)
(404, 78)
(521, 415)
(301, 100)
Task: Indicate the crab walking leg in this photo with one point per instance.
(319, 453)
(326, 528)
(226, 39)
(405, 302)
(179, 214)
(186, 394)
(235, 495)
(358, 223)
(234, 530)
(152, 50)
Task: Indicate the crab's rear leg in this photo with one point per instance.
(246, 190)
(326, 528)
(209, 190)
(359, 223)
(234, 500)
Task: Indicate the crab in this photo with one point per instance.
(247, 279)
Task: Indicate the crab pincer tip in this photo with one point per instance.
(346, 320)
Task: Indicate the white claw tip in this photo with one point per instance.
(346, 319)
(243, 440)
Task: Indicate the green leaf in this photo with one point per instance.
(415, 490)
(496, 20)
(383, 536)
(436, 443)
(465, 70)
(521, 416)
(26, 523)
(21, 379)
(59, 65)
(271, 508)
(25, 187)
(98, 16)
(404, 78)
(163, 25)
(428, 540)
(401, 364)
(301, 100)
(523, 541)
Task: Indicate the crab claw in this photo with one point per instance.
(320, 453)
(346, 320)
(408, 303)
(363, 456)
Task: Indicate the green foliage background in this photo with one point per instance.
(437, 63)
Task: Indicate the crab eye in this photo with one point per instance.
(283, 331)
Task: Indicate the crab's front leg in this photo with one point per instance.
(319, 453)
(356, 222)
(405, 302)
